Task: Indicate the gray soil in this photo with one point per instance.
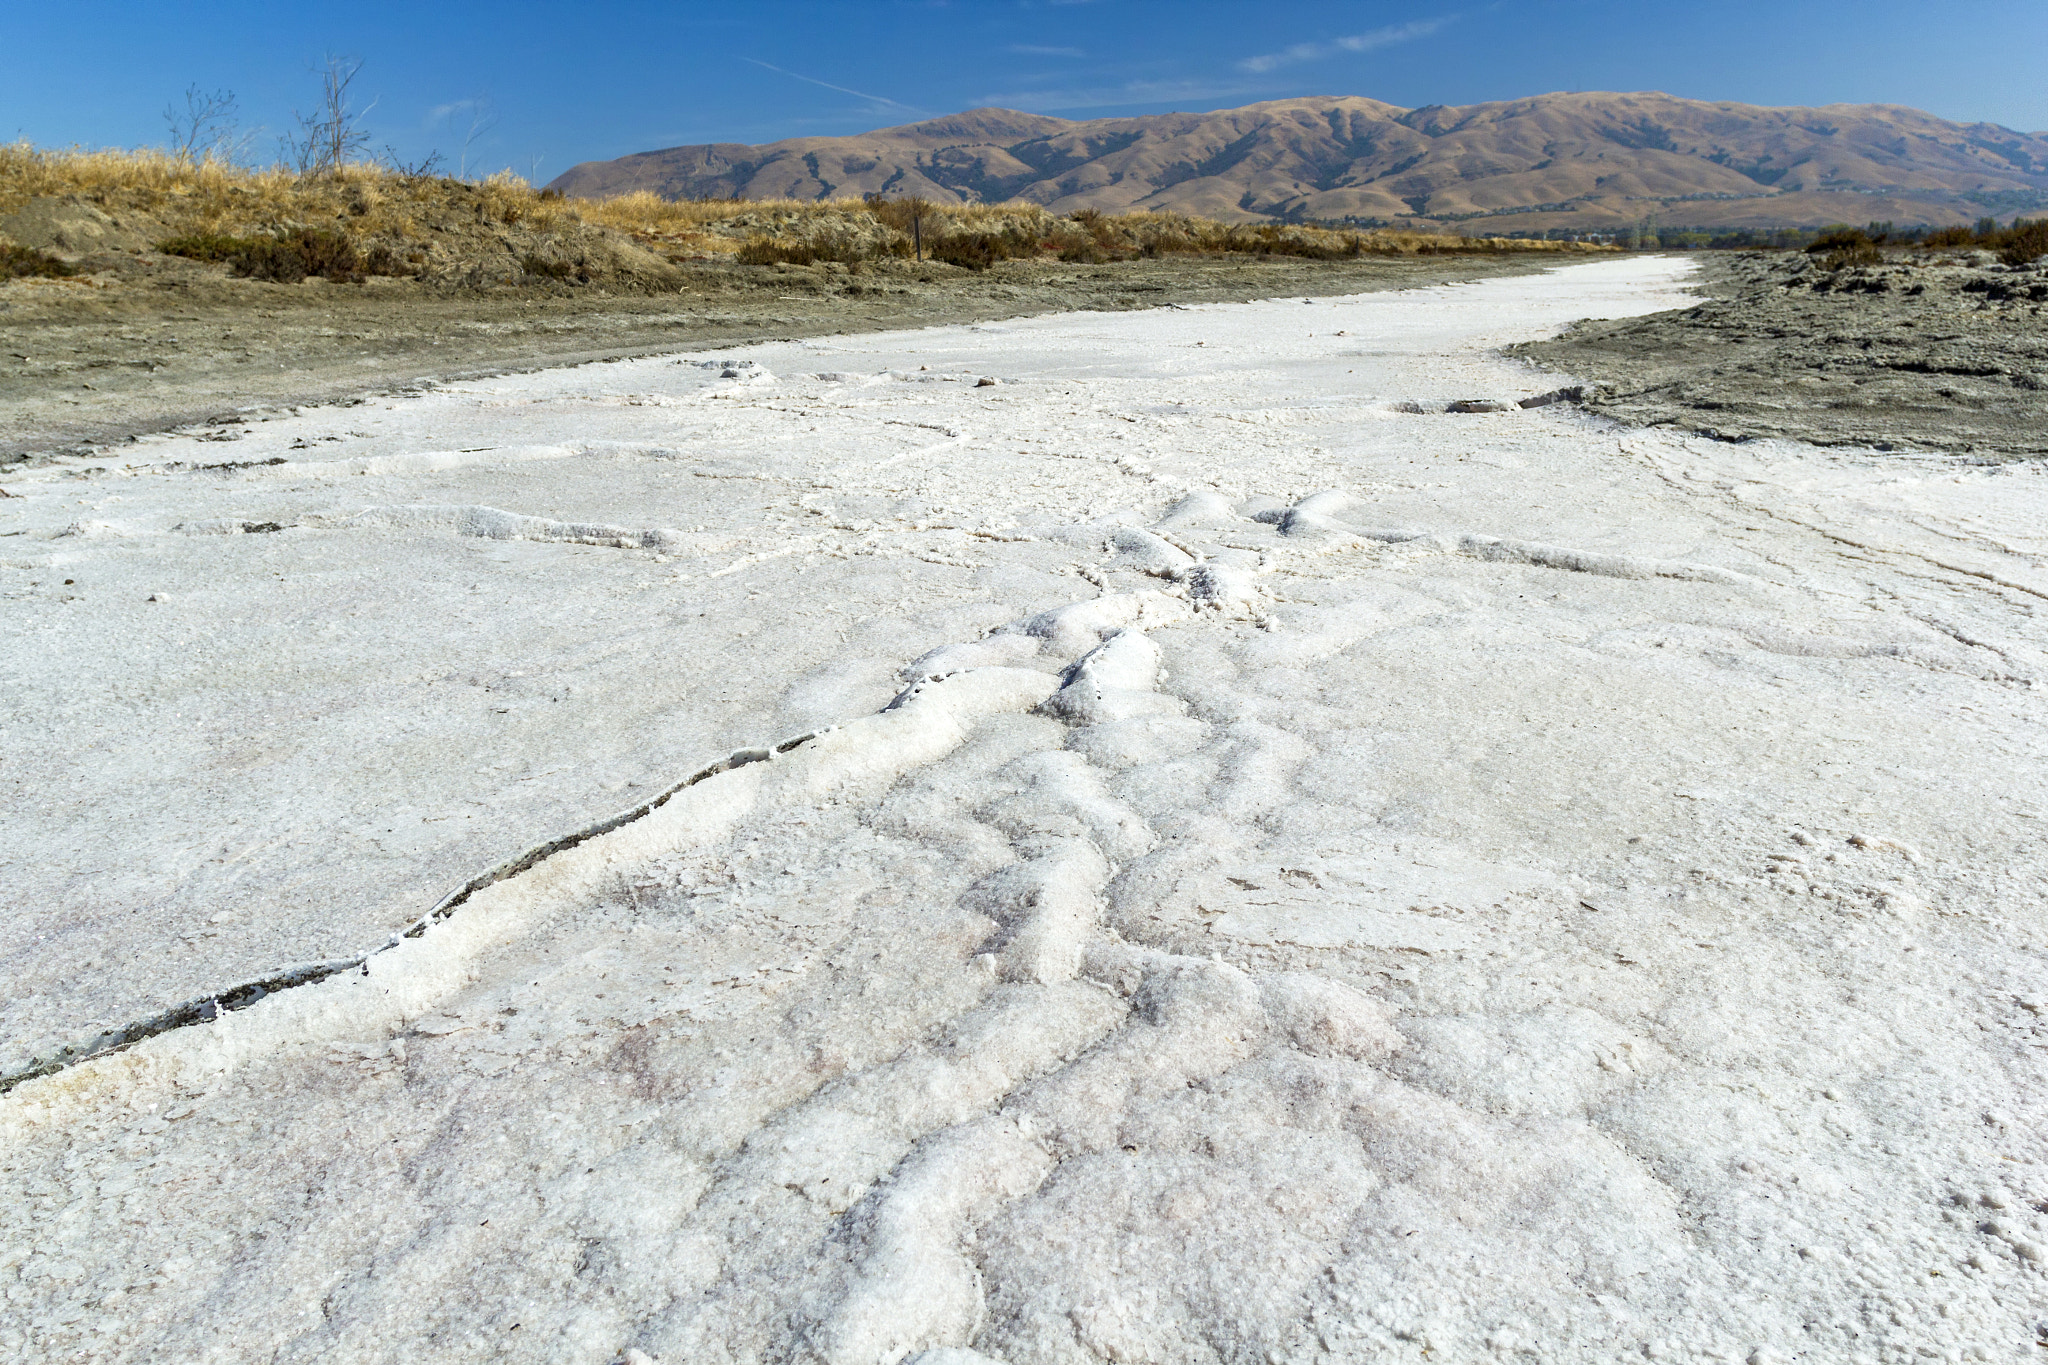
(145, 342)
(1946, 352)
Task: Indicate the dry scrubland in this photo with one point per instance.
(149, 292)
(2021, 243)
(1859, 339)
(1570, 164)
(366, 221)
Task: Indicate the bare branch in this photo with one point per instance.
(204, 128)
(428, 165)
(332, 135)
(483, 117)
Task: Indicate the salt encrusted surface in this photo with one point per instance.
(1281, 876)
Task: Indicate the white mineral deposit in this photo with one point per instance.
(1188, 852)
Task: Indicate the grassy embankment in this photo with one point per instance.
(368, 221)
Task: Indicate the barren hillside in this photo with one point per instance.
(1590, 160)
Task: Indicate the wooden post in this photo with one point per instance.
(917, 234)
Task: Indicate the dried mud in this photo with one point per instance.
(145, 342)
(1278, 872)
(1944, 354)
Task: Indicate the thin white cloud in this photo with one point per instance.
(1125, 93)
(844, 90)
(1357, 42)
(441, 111)
(1034, 50)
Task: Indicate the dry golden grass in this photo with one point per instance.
(370, 202)
(645, 211)
(211, 196)
(28, 172)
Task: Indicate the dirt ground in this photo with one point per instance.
(1945, 353)
(148, 342)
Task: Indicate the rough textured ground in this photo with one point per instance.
(1919, 353)
(144, 342)
(1587, 161)
(1253, 867)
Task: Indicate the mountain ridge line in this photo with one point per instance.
(1589, 161)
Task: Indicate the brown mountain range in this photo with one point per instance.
(1591, 161)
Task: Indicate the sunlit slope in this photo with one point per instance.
(1588, 159)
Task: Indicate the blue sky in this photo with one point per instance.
(568, 83)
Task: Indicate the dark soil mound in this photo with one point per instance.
(1921, 351)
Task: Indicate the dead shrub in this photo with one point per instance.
(290, 258)
(2024, 242)
(542, 268)
(978, 249)
(2021, 244)
(206, 246)
(298, 254)
(790, 251)
(1841, 247)
(21, 262)
(1839, 238)
(1077, 248)
(902, 214)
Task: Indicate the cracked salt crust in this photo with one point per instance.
(1604, 923)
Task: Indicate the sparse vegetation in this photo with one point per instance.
(299, 253)
(1984, 235)
(1841, 247)
(20, 262)
(540, 267)
(2024, 242)
(332, 136)
(2020, 244)
(205, 127)
(827, 247)
(288, 258)
(976, 237)
(206, 246)
(349, 221)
